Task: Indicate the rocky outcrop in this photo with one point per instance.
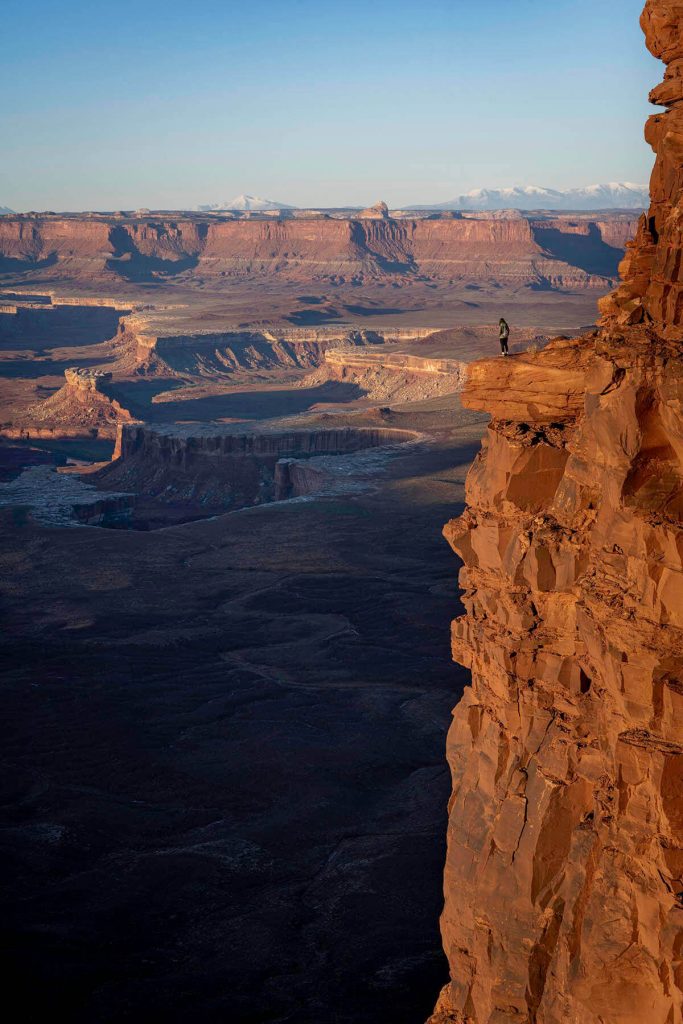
(144, 350)
(230, 353)
(378, 211)
(87, 382)
(82, 403)
(564, 874)
(345, 360)
(386, 376)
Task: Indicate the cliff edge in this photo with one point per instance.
(564, 874)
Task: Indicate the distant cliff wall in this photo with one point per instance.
(513, 250)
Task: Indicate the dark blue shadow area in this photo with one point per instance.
(10, 265)
(588, 252)
(58, 326)
(250, 405)
(32, 369)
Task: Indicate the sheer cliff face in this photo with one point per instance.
(652, 291)
(564, 874)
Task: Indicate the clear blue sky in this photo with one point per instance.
(108, 105)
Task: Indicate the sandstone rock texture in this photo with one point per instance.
(651, 289)
(564, 874)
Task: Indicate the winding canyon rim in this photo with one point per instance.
(253, 703)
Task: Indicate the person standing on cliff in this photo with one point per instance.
(504, 334)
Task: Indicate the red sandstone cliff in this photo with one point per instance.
(651, 289)
(564, 873)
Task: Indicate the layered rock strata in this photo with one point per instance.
(564, 875)
(564, 253)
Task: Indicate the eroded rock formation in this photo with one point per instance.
(82, 404)
(378, 211)
(564, 874)
(229, 353)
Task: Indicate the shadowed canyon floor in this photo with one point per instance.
(225, 788)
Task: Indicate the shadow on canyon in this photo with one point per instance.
(586, 251)
(227, 404)
(137, 268)
(319, 317)
(225, 787)
(37, 368)
(57, 326)
(132, 265)
(313, 317)
(13, 265)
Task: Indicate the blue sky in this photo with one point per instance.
(167, 104)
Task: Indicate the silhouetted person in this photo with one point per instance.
(504, 334)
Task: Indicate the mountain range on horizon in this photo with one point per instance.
(246, 202)
(614, 195)
(608, 196)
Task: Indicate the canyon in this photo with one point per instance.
(182, 309)
(200, 607)
(563, 878)
(228, 445)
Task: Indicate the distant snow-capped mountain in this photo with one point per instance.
(614, 195)
(246, 202)
(5, 209)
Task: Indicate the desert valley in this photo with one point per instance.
(265, 689)
(230, 441)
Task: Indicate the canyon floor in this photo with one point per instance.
(224, 777)
(226, 787)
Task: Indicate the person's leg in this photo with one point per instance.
(504, 346)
